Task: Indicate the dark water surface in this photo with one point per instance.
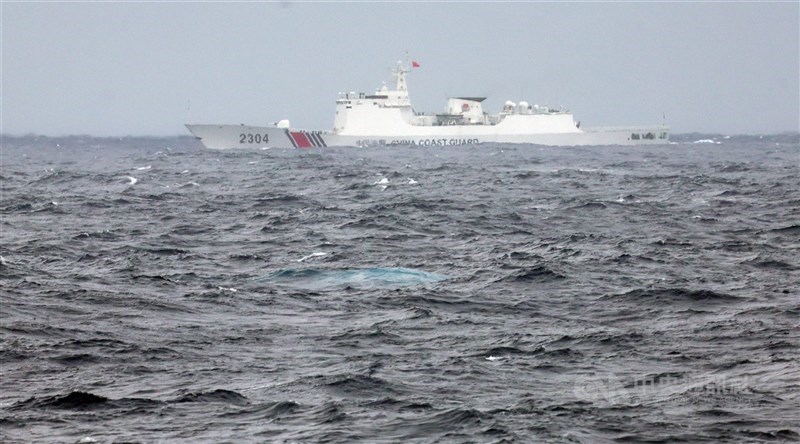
(156, 292)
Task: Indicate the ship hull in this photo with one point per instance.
(253, 137)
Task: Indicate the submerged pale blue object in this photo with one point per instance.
(313, 278)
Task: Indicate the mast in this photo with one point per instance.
(398, 97)
(399, 74)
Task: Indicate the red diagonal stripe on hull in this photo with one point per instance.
(301, 140)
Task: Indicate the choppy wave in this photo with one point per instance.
(483, 294)
(313, 278)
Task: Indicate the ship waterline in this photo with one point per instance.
(243, 136)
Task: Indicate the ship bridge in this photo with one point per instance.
(358, 111)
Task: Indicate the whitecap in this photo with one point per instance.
(383, 181)
(315, 254)
(412, 181)
(232, 290)
(318, 279)
(145, 168)
(132, 179)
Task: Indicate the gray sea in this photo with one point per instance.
(155, 291)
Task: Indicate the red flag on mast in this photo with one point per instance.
(414, 64)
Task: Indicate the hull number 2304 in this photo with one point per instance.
(253, 138)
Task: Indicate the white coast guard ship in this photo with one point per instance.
(386, 118)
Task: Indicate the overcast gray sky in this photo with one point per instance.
(131, 68)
